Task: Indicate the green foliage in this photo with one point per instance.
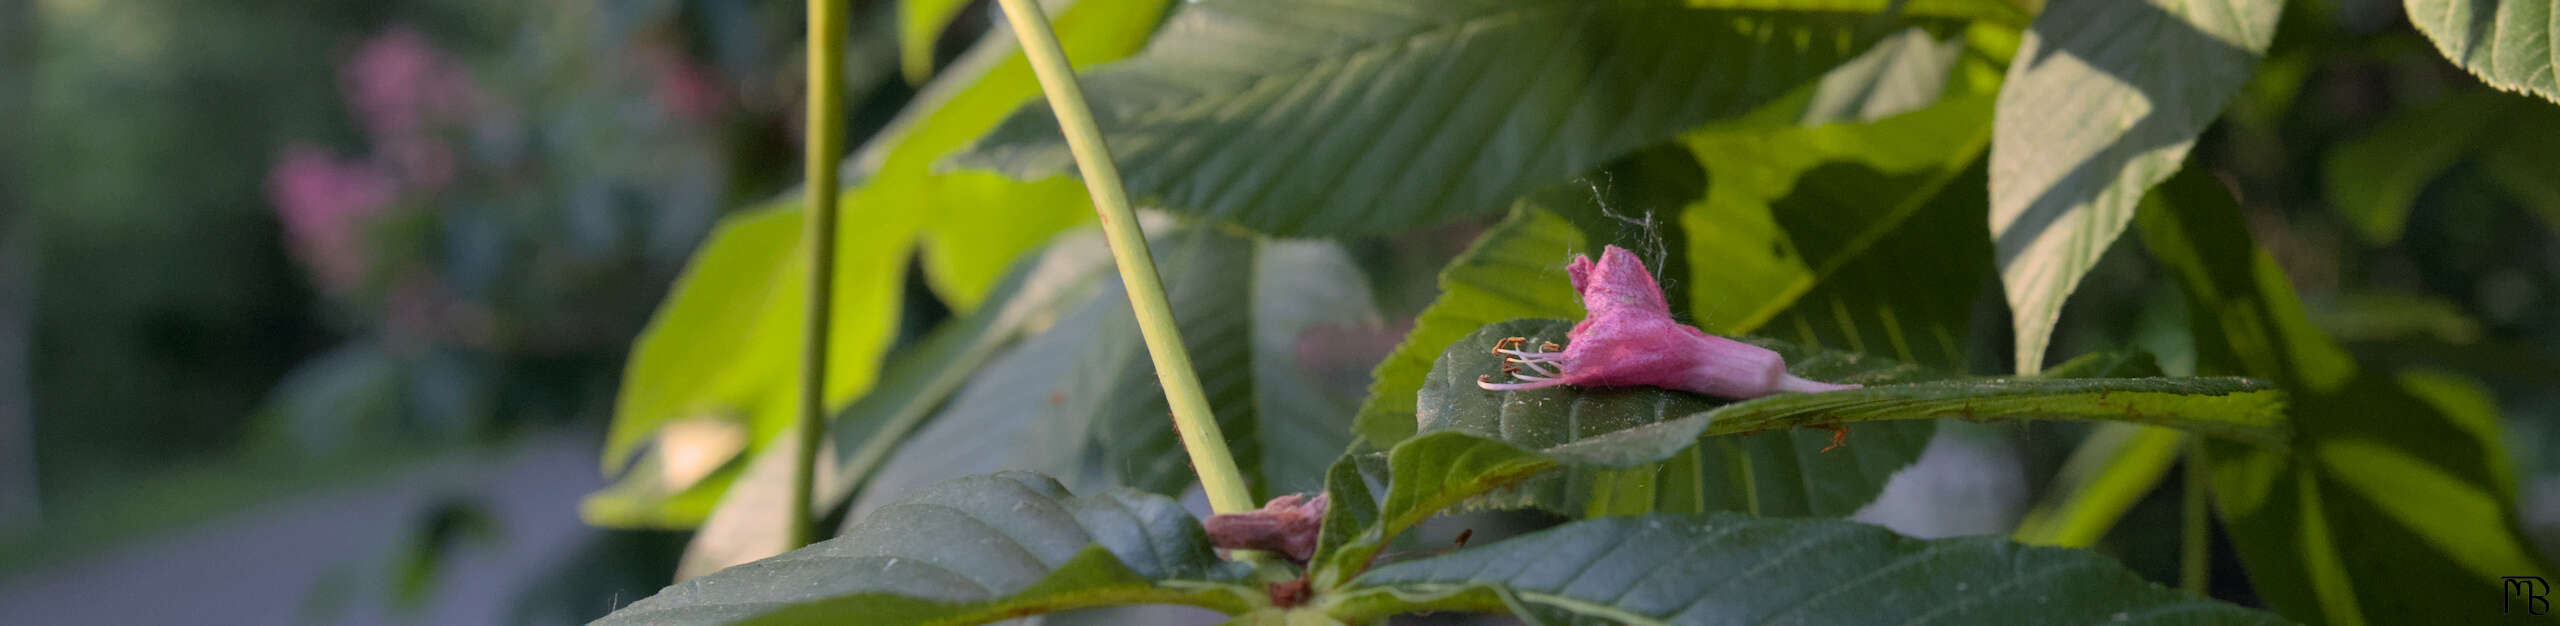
(2102, 102)
(920, 24)
(1512, 271)
(1659, 433)
(2509, 44)
(1819, 172)
(720, 347)
(2396, 495)
(1733, 569)
(2375, 178)
(1625, 467)
(914, 383)
(967, 551)
(1080, 400)
(1406, 115)
(1808, 232)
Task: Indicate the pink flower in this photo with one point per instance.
(324, 203)
(405, 91)
(1629, 339)
(1287, 525)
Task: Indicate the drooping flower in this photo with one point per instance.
(1629, 339)
(1286, 525)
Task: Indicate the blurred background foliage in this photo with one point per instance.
(263, 252)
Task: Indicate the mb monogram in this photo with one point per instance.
(2527, 592)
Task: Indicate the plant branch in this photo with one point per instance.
(824, 146)
(1191, 417)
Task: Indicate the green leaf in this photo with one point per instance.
(1011, 415)
(920, 24)
(1857, 236)
(2396, 498)
(1351, 509)
(1282, 420)
(1903, 73)
(1634, 427)
(2519, 162)
(980, 222)
(1331, 117)
(970, 550)
(1732, 569)
(916, 380)
(2374, 178)
(2114, 467)
(1737, 265)
(2507, 43)
(1081, 400)
(1791, 475)
(1509, 272)
(1428, 473)
(2102, 101)
(723, 344)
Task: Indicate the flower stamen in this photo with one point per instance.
(1531, 369)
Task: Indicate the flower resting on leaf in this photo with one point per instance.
(1629, 339)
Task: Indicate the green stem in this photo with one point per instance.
(2195, 540)
(2112, 469)
(1191, 416)
(1738, 471)
(825, 146)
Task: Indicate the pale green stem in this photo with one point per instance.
(2113, 468)
(1191, 416)
(824, 145)
(2196, 540)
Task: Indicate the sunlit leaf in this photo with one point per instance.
(2507, 43)
(920, 24)
(724, 344)
(2102, 101)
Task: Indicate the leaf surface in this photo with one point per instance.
(2103, 101)
(1734, 569)
(1342, 117)
(973, 549)
(2507, 43)
(2396, 496)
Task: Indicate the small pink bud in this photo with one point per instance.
(1286, 525)
(1628, 339)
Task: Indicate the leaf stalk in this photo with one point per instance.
(1207, 447)
(824, 146)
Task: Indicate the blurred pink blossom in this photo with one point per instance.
(405, 91)
(323, 201)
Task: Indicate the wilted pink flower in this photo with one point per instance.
(1629, 339)
(323, 202)
(1287, 525)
